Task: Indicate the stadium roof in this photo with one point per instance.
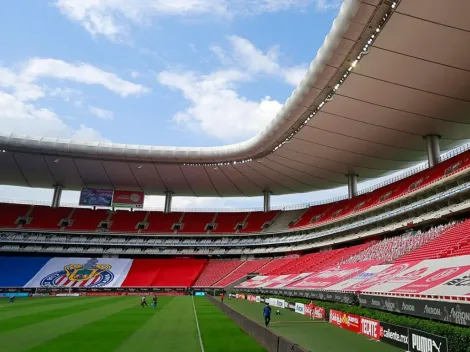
(365, 116)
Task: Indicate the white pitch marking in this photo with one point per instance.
(197, 325)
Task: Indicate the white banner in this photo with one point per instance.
(81, 272)
(443, 277)
(300, 308)
(272, 281)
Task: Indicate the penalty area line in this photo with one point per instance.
(197, 325)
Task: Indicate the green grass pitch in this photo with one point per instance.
(118, 324)
(109, 324)
(314, 336)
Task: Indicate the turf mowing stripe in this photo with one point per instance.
(220, 333)
(27, 302)
(104, 335)
(171, 329)
(23, 339)
(50, 314)
(18, 310)
(197, 325)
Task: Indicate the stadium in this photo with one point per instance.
(385, 268)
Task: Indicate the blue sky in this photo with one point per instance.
(180, 72)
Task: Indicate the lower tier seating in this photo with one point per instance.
(163, 272)
(442, 246)
(250, 266)
(215, 271)
(391, 249)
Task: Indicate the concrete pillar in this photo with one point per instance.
(433, 149)
(56, 196)
(352, 185)
(267, 201)
(168, 198)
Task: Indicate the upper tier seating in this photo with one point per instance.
(256, 220)
(47, 218)
(161, 222)
(328, 212)
(196, 222)
(88, 219)
(441, 246)
(284, 219)
(390, 249)
(158, 222)
(215, 271)
(9, 213)
(126, 221)
(250, 266)
(226, 222)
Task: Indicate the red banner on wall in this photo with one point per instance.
(128, 199)
(347, 321)
(370, 328)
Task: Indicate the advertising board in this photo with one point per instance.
(96, 197)
(128, 199)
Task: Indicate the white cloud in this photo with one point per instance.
(21, 92)
(102, 114)
(248, 57)
(114, 18)
(84, 73)
(215, 106)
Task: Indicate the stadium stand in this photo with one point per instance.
(442, 246)
(256, 220)
(275, 264)
(161, 222)
(249, 266)
(390, 249)
(9, 214)
(316, 261)
(227, 222)
(284, 220)
(163, 272)
(42, 217)
(87, 219)
(215, 271)
(196, 222)
(126, 221)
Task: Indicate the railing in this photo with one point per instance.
(405, 174)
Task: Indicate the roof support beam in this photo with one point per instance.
(267, 201)
(57, 196)
(433, 149)
(168, 199)
(352, 185)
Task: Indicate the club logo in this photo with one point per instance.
(90, 274)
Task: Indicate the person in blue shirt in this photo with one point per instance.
(267, 314)
(11, 299)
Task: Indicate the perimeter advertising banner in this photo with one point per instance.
(128, 199)
(451, 312)
(96, 197)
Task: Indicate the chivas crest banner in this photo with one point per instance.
(81, 272)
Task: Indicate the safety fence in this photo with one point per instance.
(265, 337)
